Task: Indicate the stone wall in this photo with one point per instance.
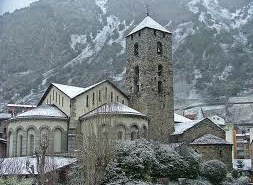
(113, 124)
(206, 126)
(159, 107)
(219, 152)
(36, 127)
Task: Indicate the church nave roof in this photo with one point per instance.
(113, 108)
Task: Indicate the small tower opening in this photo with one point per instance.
(159, 48)
(136, 79)
(160, 70)
(160, 88)
(136, 49)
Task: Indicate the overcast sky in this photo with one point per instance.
(11, 5)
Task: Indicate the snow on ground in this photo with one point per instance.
(113, 23)
(17, 165)
(226, 72)
(101, 4)
(120, 76)
(77, 39)
(183, 30)
(221, 17)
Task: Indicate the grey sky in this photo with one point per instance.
(11, 5)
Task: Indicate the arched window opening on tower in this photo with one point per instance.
(132, 37)
(159, 48)
(160, 88)
(160, 70)
(139, 33)
(163, 34)
(154, 32)
(136, 79)
(136, 49)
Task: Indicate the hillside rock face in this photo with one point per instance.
(80, 42)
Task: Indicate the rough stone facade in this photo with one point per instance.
(35, 127)
(146, 96)
(211, 152)
(205, 126)
(129, 127)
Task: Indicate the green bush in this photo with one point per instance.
(214, 170)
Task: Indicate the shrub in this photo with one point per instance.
(214, 170)
(171, 165)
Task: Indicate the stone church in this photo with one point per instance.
(66, 112)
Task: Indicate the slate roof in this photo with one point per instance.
(180, 128)
(113, 108)
(43, 111)
(5, 116)
(210, 139)
(148, 22)
(73, 91)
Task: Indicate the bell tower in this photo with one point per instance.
(150, 77)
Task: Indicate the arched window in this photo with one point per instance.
(20, 143)
(57, 141)
(134, 133)
(31, 141)
(160, 87)
(44, 135)
(10, 144)
(136, 49)
(136, 79)
(159, 48)
(160, 70)
(120, 135)
(121, 132)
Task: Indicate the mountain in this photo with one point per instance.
(80, 42)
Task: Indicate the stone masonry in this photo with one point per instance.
(157, 106)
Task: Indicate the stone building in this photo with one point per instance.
(150, 78)
(212, 147)
(66, 113)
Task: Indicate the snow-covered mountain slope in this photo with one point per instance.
(80, 42)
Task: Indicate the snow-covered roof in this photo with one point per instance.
(3, 140)
(17, 165)
(180, 119)
(210, 139)
(113, 108)
(45, 111)
(70, 91)
(73, 91)
(148, 22)
(5, 116)
(182, 127)
(19, 105)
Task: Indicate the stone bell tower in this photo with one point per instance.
(150, 77)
